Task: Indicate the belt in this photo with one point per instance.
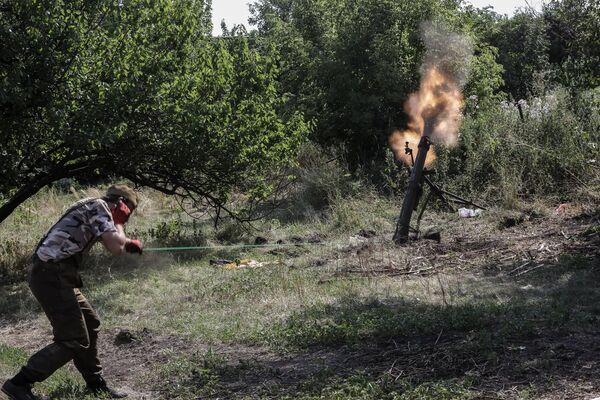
(69, 260)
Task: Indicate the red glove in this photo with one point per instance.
(121, 213)
(133, 246)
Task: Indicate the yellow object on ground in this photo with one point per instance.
(246, 263)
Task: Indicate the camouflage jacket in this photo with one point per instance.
(77, 230)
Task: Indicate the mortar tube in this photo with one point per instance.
(414, 183)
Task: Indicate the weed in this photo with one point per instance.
(185, 377)
(551, 150)
(230, 232)
(14, 257)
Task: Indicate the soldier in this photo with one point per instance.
(55, 282)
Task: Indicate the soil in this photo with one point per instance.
(470, 244)
(570, 369)
(572, 373)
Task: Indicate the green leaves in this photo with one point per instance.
(138, 89)
(348, 64)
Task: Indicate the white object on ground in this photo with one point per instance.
(469, 212)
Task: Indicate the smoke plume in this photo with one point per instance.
(444, 72)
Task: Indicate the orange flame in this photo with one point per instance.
(439, 97)
(398, 142)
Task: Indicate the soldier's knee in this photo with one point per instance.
(93, 325)
(77, 345)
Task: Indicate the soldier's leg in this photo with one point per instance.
(86, 361)
(68, 325)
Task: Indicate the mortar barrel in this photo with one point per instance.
(414, 183)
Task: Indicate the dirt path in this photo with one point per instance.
(128, 362)
(569, 369)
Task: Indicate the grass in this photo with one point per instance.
(64, 384)
(351, 321)
(207, 374)
(327, 333)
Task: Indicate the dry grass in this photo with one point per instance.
(348, 311)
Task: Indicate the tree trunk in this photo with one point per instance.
(32, 187)
(27, 191)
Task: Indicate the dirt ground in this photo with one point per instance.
(247, 369)
(517, 249)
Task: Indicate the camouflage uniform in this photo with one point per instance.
(55, 282)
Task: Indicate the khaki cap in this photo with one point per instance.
(123, 191)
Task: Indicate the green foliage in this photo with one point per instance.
(319, 179)
(174, 232)
(138, 90)
(573, 27)
(502, 156)
(349, 63)
(485, 77)
(523, 45)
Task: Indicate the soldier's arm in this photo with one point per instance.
(115, 241)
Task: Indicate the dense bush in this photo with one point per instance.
(548, 146)
(320, 178)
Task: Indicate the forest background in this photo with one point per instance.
(141, 90)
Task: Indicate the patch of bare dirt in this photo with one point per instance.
(476, 244)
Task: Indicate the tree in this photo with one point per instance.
(523, 51)
(351, 64)
(573, 28)
(139, 90)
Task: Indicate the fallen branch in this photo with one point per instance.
(530, 269)
(520, 266)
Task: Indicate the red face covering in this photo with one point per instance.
(121, 213)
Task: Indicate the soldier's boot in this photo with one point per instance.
(100, 388)
(17, 392)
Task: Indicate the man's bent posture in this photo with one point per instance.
(55, 282)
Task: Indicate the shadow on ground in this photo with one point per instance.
(542, 342)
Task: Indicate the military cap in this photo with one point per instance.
(123, 191)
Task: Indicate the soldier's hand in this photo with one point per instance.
(133, 246)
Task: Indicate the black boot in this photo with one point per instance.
(17, 392)
(101, 389)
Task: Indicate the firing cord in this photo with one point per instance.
(239, 246)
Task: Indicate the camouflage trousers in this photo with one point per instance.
(75, 324)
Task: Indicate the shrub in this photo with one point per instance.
(320, 179)
(548, 150)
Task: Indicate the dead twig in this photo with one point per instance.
(438, 338)
(520, 266)
(530, 269)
